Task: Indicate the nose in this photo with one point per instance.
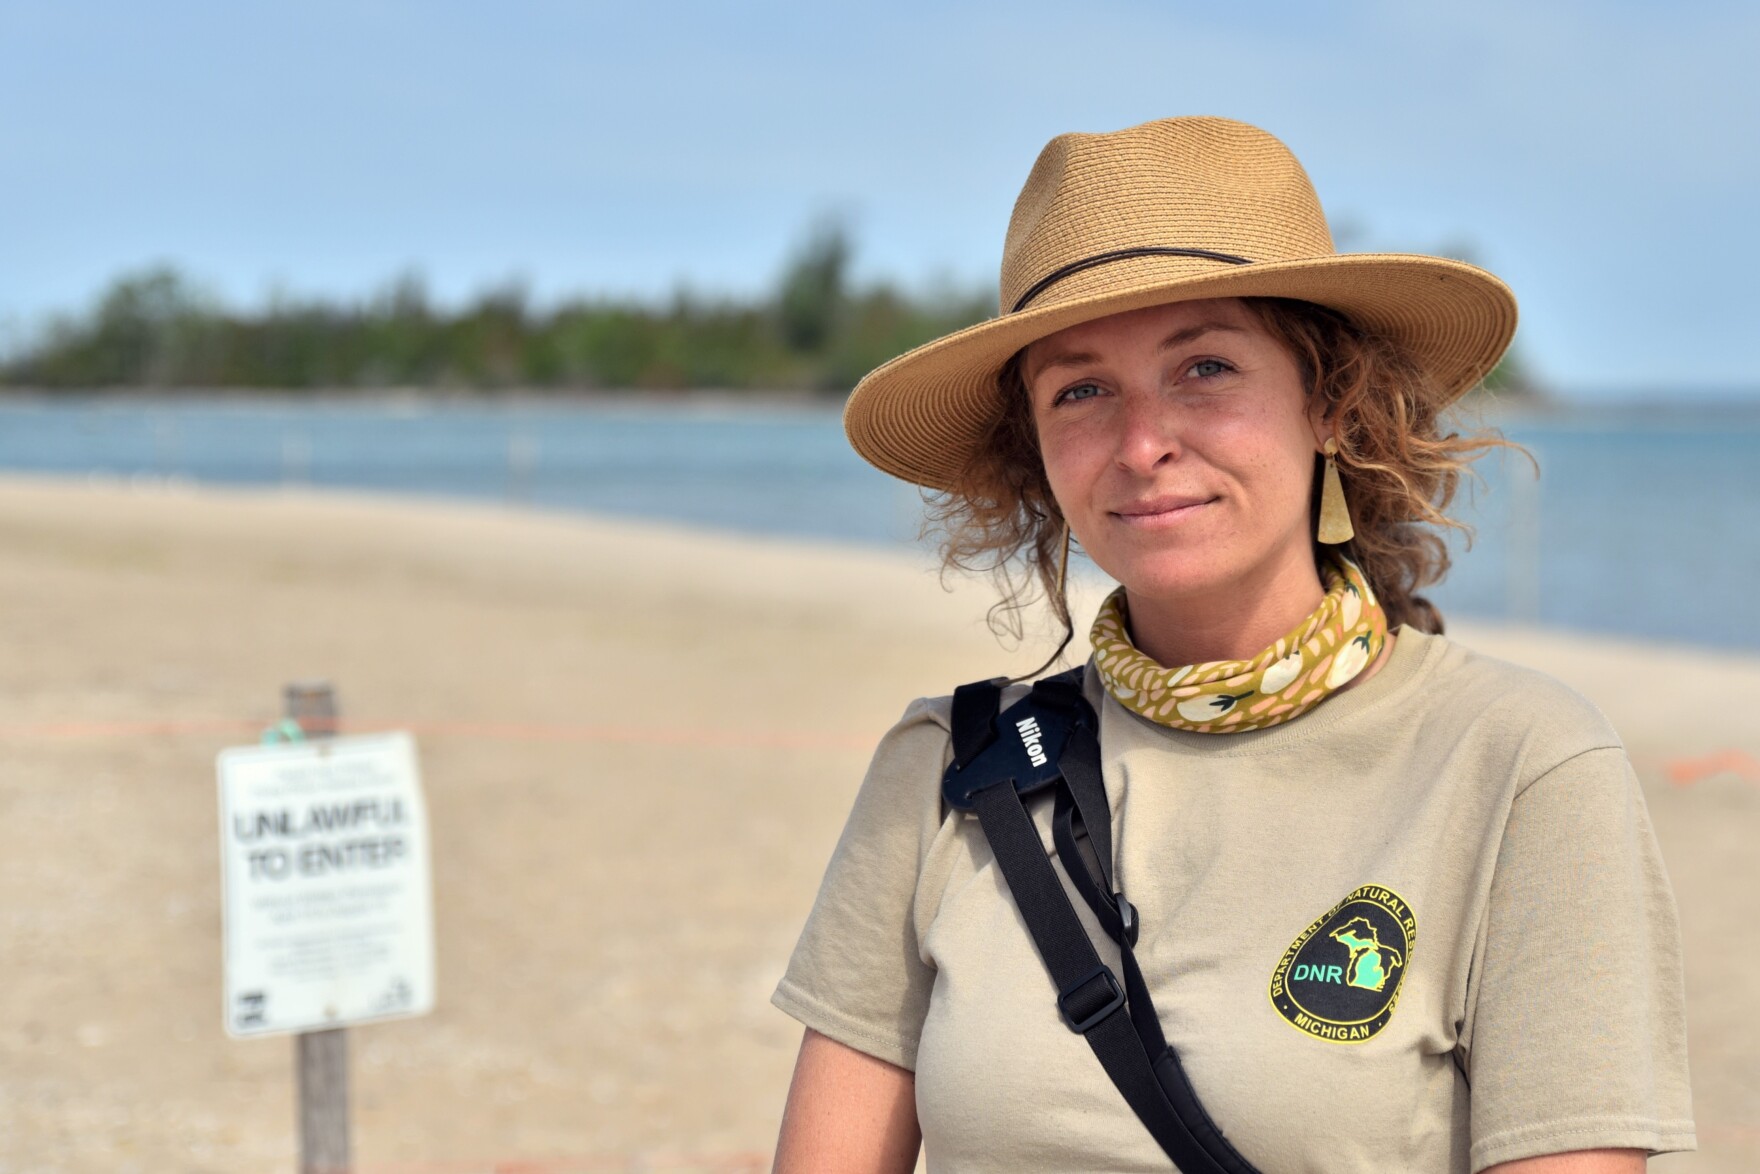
(1148, 434)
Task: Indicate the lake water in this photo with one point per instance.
(1644, 522)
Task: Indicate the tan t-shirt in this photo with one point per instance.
(1423, 927)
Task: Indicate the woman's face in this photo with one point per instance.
(1179, 443)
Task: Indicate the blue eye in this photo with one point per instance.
(1207, 368)
(1078, 392)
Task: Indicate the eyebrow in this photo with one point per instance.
(1178, 338)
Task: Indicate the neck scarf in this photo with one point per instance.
(1317, 657)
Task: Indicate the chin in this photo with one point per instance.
(1172, 574)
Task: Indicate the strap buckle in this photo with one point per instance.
(1094, 997)
(1127, 917)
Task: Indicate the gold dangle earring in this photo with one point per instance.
(1335, 515)
(1063, 563)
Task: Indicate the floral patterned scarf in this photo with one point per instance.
(1321, 654)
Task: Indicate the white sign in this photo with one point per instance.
(329, 916)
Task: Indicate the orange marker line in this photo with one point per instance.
(1684, 772)
(507, 731)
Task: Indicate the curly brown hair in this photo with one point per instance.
(1399, 467)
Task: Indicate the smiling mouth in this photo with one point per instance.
(1152, 513)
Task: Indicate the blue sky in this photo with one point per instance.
(1603, 158)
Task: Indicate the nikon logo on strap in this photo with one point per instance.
(1032, 739)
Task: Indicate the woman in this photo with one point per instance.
(1397, 906)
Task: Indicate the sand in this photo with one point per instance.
(638, 744)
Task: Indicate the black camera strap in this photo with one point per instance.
(1051, 739)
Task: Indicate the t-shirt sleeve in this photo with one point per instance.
(857, 974)
(1578, 1031)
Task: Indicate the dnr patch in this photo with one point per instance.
(1340, 979)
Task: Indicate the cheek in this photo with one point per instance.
(1069, 467)
(1273, 460)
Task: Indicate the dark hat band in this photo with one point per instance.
(1057, 275)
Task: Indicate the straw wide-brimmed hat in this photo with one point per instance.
(1164, 212)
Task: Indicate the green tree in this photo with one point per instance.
(156, 328)
(810, 301)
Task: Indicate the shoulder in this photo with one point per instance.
(922, 735)
(900, 796)
(1511, 692)
(1507, 705)
(903, 782)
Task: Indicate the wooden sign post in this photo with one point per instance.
(320, 1057)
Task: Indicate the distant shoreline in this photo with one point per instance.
(1526, 406)
(475, 396)
(1556, 549)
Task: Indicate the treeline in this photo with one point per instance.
(815, 332)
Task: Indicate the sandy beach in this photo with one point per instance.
(638, 744)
